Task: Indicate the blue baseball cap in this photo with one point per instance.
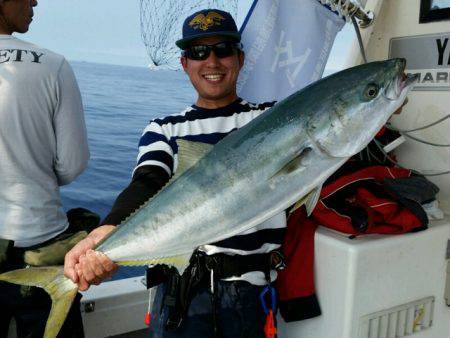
(208, 22)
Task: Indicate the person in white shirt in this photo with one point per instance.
(43, 145)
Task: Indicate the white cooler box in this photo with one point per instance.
(378, 286)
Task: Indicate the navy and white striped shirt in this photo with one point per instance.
(158, 147)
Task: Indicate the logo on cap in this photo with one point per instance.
(204, 22)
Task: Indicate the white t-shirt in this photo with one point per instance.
(43, 142)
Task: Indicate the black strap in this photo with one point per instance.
(180, 290)
(187, 286)
(226, 266)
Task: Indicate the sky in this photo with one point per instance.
(104, 31)
(107, 31)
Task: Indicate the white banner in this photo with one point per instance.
(286, 44)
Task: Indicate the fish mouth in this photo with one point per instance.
(409, 80)
(401, 83)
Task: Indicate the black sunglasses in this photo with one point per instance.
(221, 50)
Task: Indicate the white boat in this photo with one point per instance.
(116, 308)
(372, 286)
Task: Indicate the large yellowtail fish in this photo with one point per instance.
(277, 159)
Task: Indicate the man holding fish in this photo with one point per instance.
(212, 57)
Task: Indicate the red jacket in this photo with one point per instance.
(356, 203)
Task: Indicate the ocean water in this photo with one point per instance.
(119, 101)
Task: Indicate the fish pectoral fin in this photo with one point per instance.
(293, 164)
(310, 201)
(180, 262)
(333, 150)
(189, 153)
(330, 149)
(313, 198)
(61, 289)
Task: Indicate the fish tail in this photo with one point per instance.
(61, 289)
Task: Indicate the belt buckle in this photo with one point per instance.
(172, 324)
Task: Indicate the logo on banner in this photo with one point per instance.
(285, 58)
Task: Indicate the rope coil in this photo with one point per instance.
(349, 9)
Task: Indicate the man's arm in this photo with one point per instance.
(84, 266)
(154, 167)
(146, 182)
(72, 153)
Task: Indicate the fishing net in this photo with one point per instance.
(161, 24)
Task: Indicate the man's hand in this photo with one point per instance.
(84, 266)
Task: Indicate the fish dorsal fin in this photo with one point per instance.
(310, 201)
(189, 152)
(296, 163)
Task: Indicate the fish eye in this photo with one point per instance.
(371, 91)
